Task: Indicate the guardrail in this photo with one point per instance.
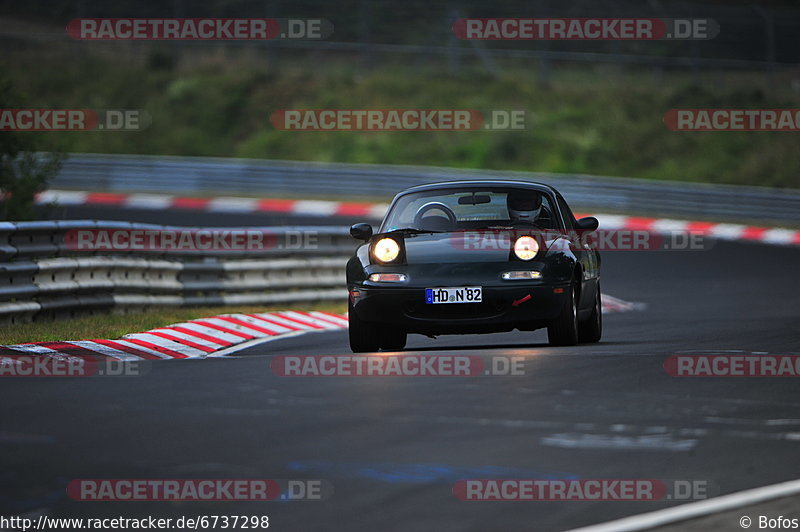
(201, 175)
(43, 275)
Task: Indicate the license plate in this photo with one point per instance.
(462, 294)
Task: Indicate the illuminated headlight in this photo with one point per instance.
(521, 275)
(526, 247)
(388, 278)
(386, 250)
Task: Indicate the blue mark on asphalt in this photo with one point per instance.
(419, 473)
(46, 496)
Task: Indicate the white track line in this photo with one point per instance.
(63, 197)
(697, 509)
(315, 208)
(667, 225)
(148, 201)
(160, 341)
(333, 318)
(263, 318)
(728, 231)
(188, 337)
(257, 341)
(257, 322)
(233, 205)
(779, 236)
(209, 331)
(143, 349)
(310, 319)
(241, 329)
(105, 350)
(32, 348)
(280, 320)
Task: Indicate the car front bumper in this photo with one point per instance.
(504, 308)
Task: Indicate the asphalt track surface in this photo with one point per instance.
(394, 446)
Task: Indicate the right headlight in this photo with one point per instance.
(526, 247)
(386, 250)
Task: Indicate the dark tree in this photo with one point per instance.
(24, 172)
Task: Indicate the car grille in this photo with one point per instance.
(455, 311)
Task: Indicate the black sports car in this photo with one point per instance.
(471, 257)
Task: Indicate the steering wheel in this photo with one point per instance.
(431, 206)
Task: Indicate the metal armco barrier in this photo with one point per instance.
(192, 175)
(43, 276)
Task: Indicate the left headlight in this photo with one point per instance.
(526, 247)
(386, 250)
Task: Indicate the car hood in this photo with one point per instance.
(460, 247)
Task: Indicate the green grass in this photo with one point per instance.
(112, 326)
(592, 120)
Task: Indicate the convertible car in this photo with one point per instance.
(472, 257)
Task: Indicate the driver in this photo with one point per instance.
(524, 206)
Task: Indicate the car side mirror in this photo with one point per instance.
(361, 231)
(590, 223)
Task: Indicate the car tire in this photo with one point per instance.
(564, 329)
(591, 330)
(364, 337)
(393, 340)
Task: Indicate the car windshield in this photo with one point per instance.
(472, 208)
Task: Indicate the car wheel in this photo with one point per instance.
(591, 330)
(393, 340)
(564, 329)
(364, 337)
